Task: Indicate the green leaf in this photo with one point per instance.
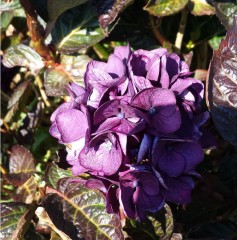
(215, 42)
(77, 28)
(71, 69)
(54, 173)
(56, 8)
(81, 212)
(55, 81)
(161, 8)
(18, 94)
(158, 226)
(6, 18)
(22, 55)
(21, 165)
(9, 5)
(226, 12)
(222, 86)
(15, 219)
(200, 7)
(75, 66)
(80, 38)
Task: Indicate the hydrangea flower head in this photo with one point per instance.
(135, 128)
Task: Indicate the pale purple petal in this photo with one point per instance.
(104, 155)
(115, 66)
(72, 125)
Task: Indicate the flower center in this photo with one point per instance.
(135, 184)
(121, 115)
(152, 111)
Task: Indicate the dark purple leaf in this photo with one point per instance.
(222, 86)
(108, 11)
(80, 212)
(15, 219)
(21, 165)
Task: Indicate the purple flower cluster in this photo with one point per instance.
(135, 129)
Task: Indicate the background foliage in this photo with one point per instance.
(46, 44)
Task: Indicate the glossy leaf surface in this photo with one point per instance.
(56, 8)
(21, 165)
(15, 219)
(222, 86)
(9, 5)
(54, 173)
(226, 11)
(161, 8)
(81, 212)
(22, 55)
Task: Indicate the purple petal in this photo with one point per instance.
(54, 131)
(106, 110)
(77, 92)
(108, 124)
(61, 108)
(164, 76)
(126, 201)
(115, 66)
(168, 160)
(104, 155)
(123, 52)
(154, 97)
(153, 68)
(72, 125)
(179, 189)
(145, 145)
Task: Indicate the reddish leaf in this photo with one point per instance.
(222, 86)
(21, 165)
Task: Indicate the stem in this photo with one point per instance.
(161, 39)
(42, 91)
(180, 33)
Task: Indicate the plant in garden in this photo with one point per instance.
(136, 161)
(145, 97)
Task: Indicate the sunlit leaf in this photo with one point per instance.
(18, 101)
(158, 226)
(77, 28)
(80, 212)
(200, 7)
(56, 8)
(71, 69)
(215, 42)
(226, 11)
(222, 86)
(9, 5)
(15, 219)
(18, 93)
(44, 218)
(80, 38)
(25, 193)
(6, 18)
(21, 165)
(55, 81)
(22, 55)
(75, 66)
(161, 8)
(54, 173)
